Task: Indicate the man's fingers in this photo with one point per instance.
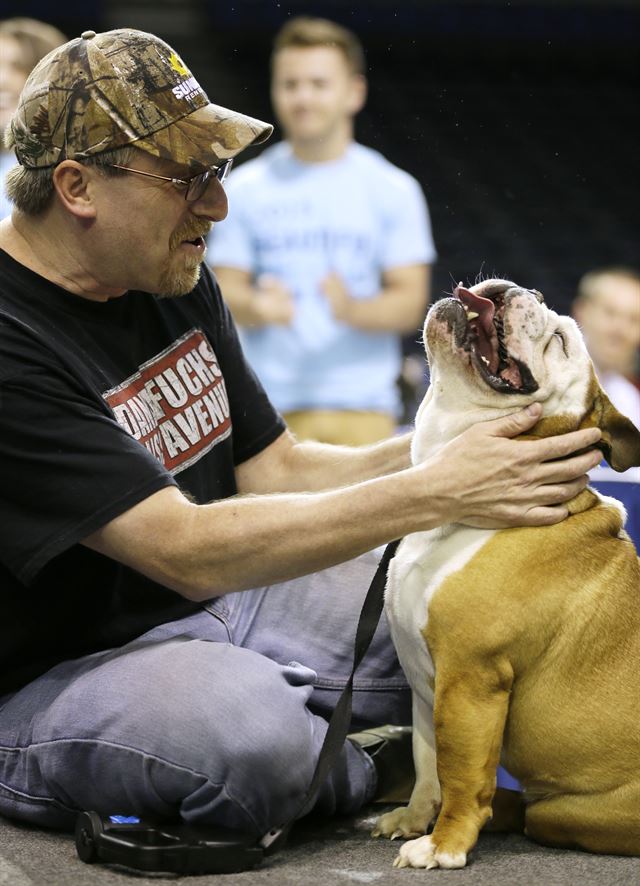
(570, 468)
(514, 424)
(545, 516)
(547, 448)
(540, 515)
(564, 444)
(554, 494)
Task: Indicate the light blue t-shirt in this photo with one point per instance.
(358, 216)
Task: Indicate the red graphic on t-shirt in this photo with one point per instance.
(176, 403)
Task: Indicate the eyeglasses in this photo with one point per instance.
(195, 186)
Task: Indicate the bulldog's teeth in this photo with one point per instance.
(485, 360)
(471, 315)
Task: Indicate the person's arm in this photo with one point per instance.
(405, 255)
(482, 477)
(399, 306)
(254, 304)
(288, 465)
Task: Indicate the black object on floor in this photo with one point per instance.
(174, 848)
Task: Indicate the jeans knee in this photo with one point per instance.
(187, 728)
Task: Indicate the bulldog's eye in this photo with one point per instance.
(560, 336)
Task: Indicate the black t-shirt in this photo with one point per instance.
(101, 405)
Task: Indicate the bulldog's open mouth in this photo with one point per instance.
(479, 330)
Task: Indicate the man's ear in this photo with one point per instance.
(358, 93)
(577, 310)
(74, 186)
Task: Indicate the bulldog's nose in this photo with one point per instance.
(494, 288)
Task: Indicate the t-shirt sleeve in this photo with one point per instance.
(231, 243)
(66, 467)
(407, 235)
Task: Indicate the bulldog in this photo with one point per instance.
(522, 645)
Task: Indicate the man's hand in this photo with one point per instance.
(494, 481)
(337, 294)
(273, 302)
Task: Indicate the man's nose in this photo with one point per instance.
(302, 92)
(213, 204)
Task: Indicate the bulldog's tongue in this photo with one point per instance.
(483, 307)
(487, 344)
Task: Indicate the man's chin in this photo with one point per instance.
(179, 283)
(308, 135)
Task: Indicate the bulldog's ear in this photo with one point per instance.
(620, 441)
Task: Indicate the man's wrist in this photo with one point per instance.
(429, 488)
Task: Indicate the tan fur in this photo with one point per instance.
(620, 439)
(544, 619)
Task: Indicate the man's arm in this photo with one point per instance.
(399, 307)
(291, 466)
(482, 477)
(265, 302)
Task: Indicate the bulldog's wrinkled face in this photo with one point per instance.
(496, 347)
(506, 347)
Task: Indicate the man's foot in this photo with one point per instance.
(390, 749)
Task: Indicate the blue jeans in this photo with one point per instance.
(217, 718)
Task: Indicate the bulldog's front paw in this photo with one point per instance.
(423, 853)
(404, 821)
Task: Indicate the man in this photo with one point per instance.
(146, 479)
(325, 257)
(23, 42)
(607, 307)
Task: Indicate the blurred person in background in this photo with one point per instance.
(607, 308)
(325, 255)
(23, 42)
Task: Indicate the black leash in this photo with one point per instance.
(341, 718)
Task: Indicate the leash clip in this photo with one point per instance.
(274, 839)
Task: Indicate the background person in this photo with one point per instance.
(23, 42)
(607, 308)
(181, 577)
(324, 257)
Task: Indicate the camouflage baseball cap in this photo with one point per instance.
(99, 92)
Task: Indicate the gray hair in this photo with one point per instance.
(31, 190)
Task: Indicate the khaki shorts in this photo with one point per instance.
(349, 427)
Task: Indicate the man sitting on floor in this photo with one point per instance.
(181, 577)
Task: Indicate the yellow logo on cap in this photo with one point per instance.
(178, 65)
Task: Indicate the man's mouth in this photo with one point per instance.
(479, 330)
(191, 237)
(195, 244)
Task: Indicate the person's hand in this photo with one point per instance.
(337, 294)
(493, 481)
(274, 301)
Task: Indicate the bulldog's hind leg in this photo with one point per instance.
(598, 822)
(414, 819)
(471, 705)
(507, 813)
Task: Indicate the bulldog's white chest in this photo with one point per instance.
(421, 564)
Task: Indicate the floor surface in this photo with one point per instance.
(335, 853)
